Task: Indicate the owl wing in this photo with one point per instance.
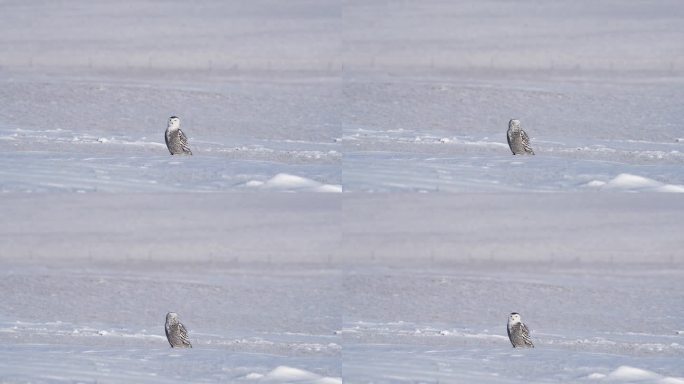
(508, 330)
(510, 139)
(526, 142)
(525, 333)
(168, 337)
(183, 333)
(166, 137)
(184, 142)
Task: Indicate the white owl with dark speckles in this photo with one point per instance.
(176, 333)
(176, 141)
(518, 332)
(518, 141)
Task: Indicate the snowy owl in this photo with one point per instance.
(518, 140)
(176, 332)
(518, 332)
(176, 141)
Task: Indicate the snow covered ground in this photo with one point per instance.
(88, 279)
(448, 325)
(430, 280)
(360, 96)
(323, 288)
(103, 232)
(430, 88)
(86, 90)
(107, 135)
(449, 134)
(81, 323)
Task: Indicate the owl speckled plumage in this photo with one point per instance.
(176, 141)
(518, 141)
(518, 332)
(176, 333)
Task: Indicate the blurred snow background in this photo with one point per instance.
(324, 96)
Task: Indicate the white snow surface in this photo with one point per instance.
(625, 181)
(627, 374)
(308, 288)
(103, 232)
(396, 96)
(285, 182)
(430, 280)
(294, 375)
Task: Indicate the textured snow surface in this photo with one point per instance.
(448, 323)
(308, 288)
(103, 232)
(395, 96)
(449, 134)
(430, 280)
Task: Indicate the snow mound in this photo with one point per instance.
(629, 374)
(629, 182)
(287, 182)
(285, 374)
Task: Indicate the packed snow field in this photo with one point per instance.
(430, 280)
(86, 90)
(444, 324)
(317, 289)
(448, 324)
(449, 134)
(430, 88)
(105, 135)
(88, 279)
(342, 96)
(103, 232)
(93, 324)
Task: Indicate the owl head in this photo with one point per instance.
(514, 124)
(174, 122)
(172, 317)
(514, 318)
